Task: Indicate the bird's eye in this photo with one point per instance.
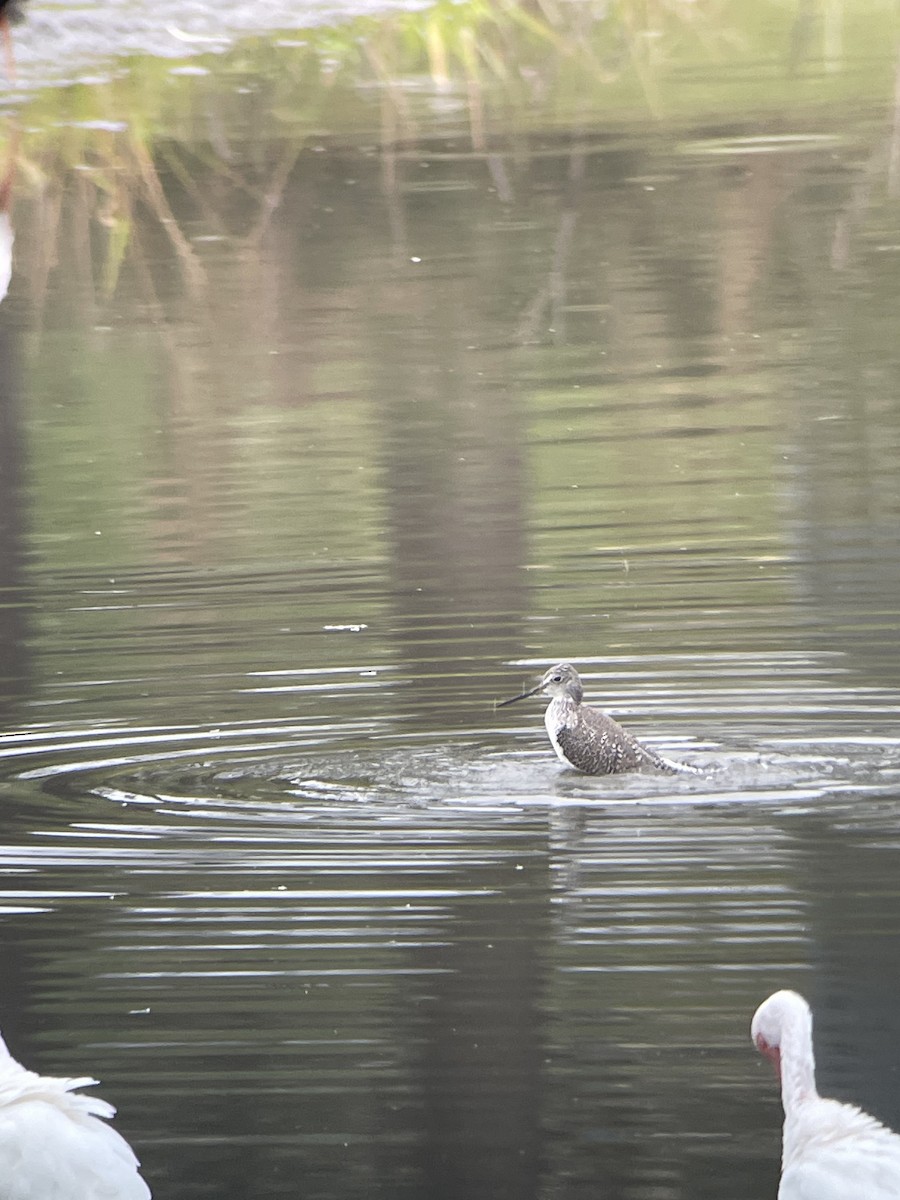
(556, 679)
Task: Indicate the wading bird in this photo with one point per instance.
(830, 1151)
(586, 738)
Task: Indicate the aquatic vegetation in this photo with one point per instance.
(497, 70)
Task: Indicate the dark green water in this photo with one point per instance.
(369, 433)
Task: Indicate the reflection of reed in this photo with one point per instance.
(883, 162)
(300, 303)
(153, 194)
(499, 62)
(300, 278)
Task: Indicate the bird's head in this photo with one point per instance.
(561, 680)
(783, 1011)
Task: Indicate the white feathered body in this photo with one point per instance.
(834, 1151)
(56, 1145)
(830, 1150)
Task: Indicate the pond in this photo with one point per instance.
(329, 422)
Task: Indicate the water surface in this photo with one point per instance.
(381, 429)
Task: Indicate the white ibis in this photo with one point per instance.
(830, 1151)
(55, 1144)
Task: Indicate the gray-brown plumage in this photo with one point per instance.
(586, 738)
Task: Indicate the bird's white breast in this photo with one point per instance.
(554, 721)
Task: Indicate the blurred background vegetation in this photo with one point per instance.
(212, 251)
(495, 71)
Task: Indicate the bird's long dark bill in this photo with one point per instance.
(534, 691)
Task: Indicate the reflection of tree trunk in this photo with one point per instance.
(454, 494)
(552, 294)
(853, 214)
(480, 1028)
(553, 291)
(841, 510)
(857, 961)
(749, 206)
(14, 657)
(894, 152)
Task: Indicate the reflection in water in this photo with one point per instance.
(481, 1032)
(14, 643)
(316, 441)
(453, 496)
(462, 999)
(14, 655)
